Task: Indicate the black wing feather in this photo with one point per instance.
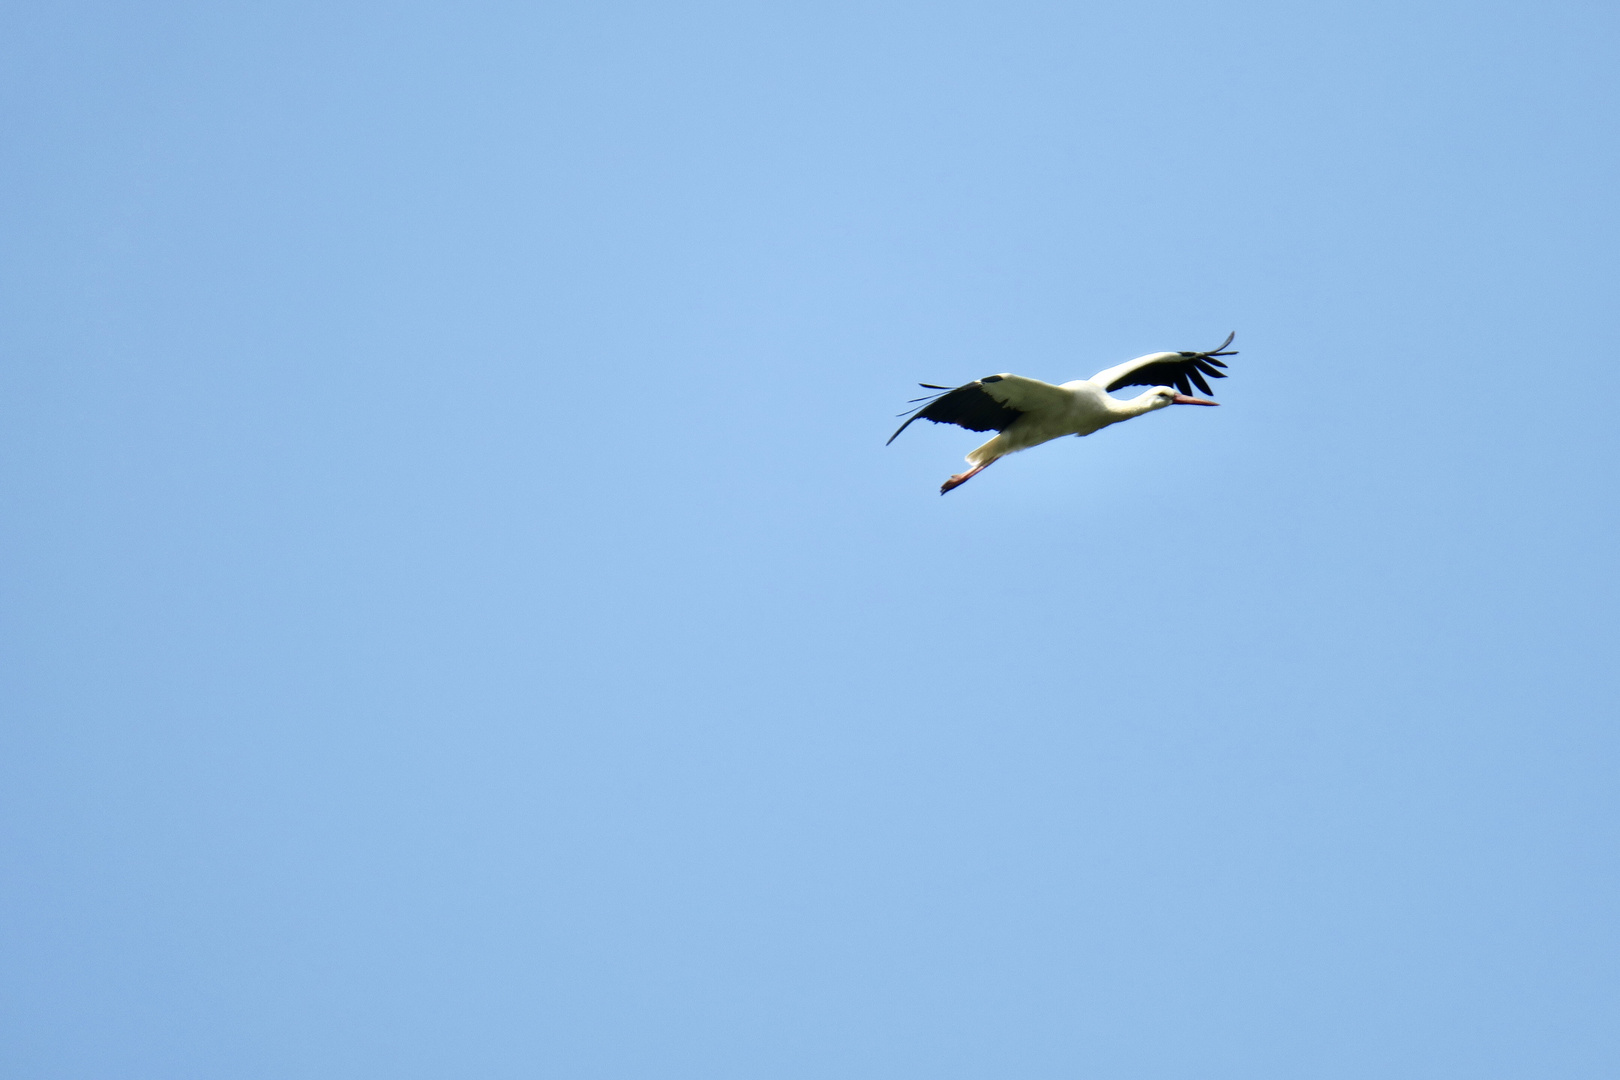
(966, 406)
(1178, 372)
(1175, 373)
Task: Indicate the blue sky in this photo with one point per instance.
(461, 618)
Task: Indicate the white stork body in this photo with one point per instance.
(1082, 408)
(1027, 412)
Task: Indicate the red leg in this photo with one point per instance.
(961, 478)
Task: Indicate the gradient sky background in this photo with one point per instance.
(462, 621)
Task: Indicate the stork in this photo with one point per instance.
(1027, 412)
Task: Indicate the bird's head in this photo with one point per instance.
(1160, 396)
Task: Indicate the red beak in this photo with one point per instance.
(1183, 399)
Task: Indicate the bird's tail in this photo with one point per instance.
(984, 455)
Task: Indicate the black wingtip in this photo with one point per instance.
(1219, 350)
(898, 430)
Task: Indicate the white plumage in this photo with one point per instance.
(1027, 412)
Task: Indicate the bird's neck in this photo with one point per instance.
(1144, 402)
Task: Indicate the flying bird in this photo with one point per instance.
(1027, 412)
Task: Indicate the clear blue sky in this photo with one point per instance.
(461, 619)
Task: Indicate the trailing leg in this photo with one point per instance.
(963, 477)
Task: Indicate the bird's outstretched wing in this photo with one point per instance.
(988, 404)
(1168, 369)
